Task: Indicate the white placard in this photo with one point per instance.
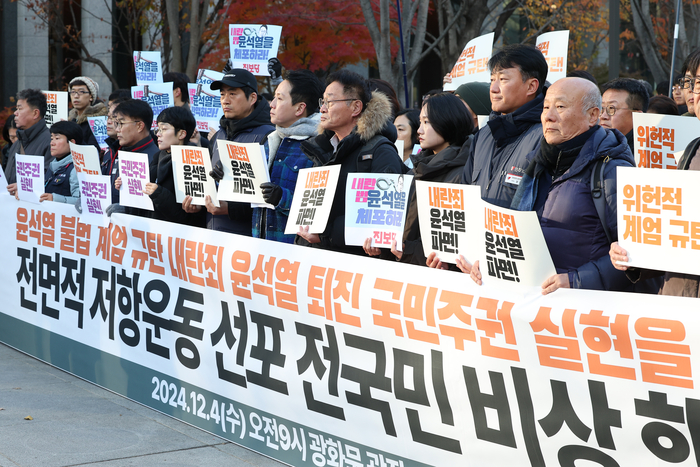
(483, 120)
(244, 170)
(472, 64)
(56, 107)
(135, 173)
(30, 177)
(98, 126)
(555, 48)
(85, 159)
(191, 167)
(148, 68)
(658, 218)
(95, 197)
(205, 105)
(313, 199)
(252, 45)
(375, 206)
(659, 140)
(158, 96)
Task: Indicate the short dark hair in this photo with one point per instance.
(662, 104)
(70, 130)
(35, 99)
(662, 88)
(118, 101)
(638, 98)
(9, 123)
(691, 63)
(527, 58)
(376, 84)
(179, 81)
(119, 94)
(305, 87)
(582, 74)
(449, 118)
(180, 118)
(353, 85)
(136, 109)
(413, 117)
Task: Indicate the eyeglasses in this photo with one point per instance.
(79, 93)
(611, 109)
(161, 130)
(686, 83)
(119, 123)
(327, 103)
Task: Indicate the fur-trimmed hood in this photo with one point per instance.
(374, 118)
(97, 110)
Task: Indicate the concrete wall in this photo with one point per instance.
(32, 50)
(97, 36)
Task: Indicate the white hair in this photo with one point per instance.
(592, 99)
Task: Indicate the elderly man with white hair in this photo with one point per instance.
(558, 186)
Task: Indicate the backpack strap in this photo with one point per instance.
(598, 193)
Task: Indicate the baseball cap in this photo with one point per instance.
(237, 78)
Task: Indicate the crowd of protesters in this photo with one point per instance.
(540, 149)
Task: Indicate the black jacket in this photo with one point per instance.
(166, 206)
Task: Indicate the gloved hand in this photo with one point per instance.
(228, 67)
(272, 194)
(217, 172)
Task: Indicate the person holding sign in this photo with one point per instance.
(294, 111)
(62, 184)
(445, 126)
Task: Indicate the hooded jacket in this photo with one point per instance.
(445, 166)
(365, 149)
(285, 160)
(570, 223)
(500, 150)
(36, 141)
(252, 129)
(97, 110)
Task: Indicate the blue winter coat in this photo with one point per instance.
(568, 217)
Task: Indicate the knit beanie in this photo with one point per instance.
(92, 86)
(477, 96)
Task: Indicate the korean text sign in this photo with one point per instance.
(555, 48)
(252, 45)
(244, 171)
(158, 96)
(56, 107)
(135, 173)
(472, 64)
(313, 199)
(98, 126)
(148, 68)
(85, 159)
(95, 197)
(205, 102)
(659, 140)
(191, 167)
(30, 177)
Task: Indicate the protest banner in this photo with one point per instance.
(375, 206)
(658, 218)
(252, 45)
(472, 64)
(191, 167)
(98, 126)
(135, 173)
(148, 68)
(205, 102)
(56, 107)
(313, 199)
(555, 48)
(85, 159)
(313, 357)
(95, 197)
(245, 169)
(158, 96)
(30, 177)
(659, 140)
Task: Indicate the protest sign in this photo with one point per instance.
(375, 206)
(98, 126)
(244, 170)
(313, 199)
(555, 48)
(191, 167)
(659, 140)
(472, 64)
(205, 102)
(30, 177)
(85, 159)
(95, 197)
(483, 120)
(158, 96)
(252, 45)
(135, 173)
(148, 67)
(658, 218)
(56, 107)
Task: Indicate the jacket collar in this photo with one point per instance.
(28, 135)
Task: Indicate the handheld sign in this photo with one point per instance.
(555, 48)
(244, 171)
(659, 140)
(375, 206)
(191, 166)
(148, 68)
(135, 173)
(252, 45)
(95, 197)
(56, 107)
(30, 177)
(472, 64)
(658, 218)
(313, 199)
(205, 103)
(158, 96)
(98, 126)
(85, 159)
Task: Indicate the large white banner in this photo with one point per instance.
(318, 358)
(472, 64)
(659, 140)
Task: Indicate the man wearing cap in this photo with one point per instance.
(246, 120)
(83, 95)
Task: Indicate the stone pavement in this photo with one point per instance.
(76, 423)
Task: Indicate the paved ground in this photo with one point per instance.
(76, 423)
